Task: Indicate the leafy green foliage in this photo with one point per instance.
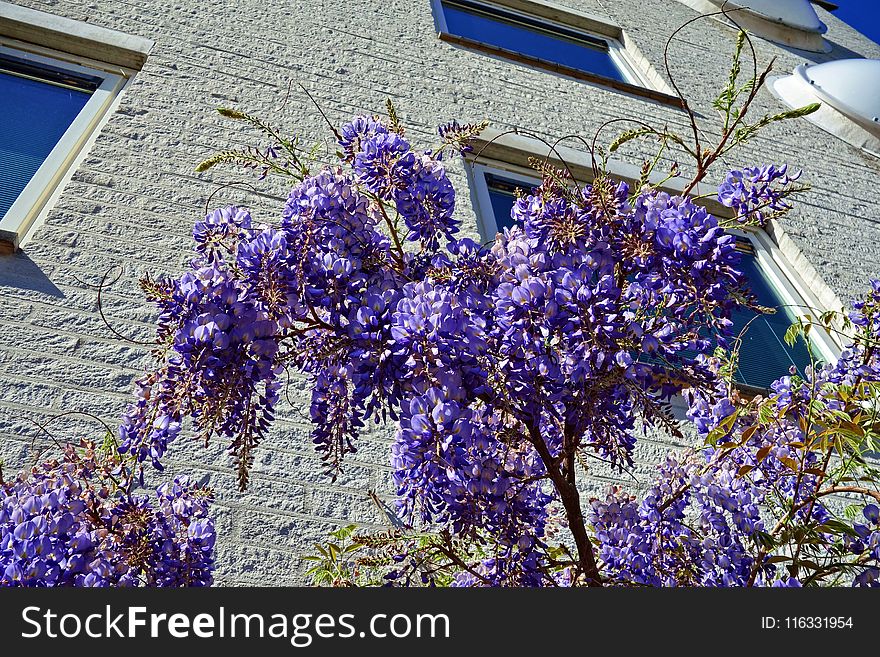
(334, 563)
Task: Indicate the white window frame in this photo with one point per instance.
(792, 291)
(616, 50)
(49, 178)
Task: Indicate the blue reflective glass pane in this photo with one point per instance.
(35, 116)
(501, 195)
(556, 48)
(764, 356)
(502, 203)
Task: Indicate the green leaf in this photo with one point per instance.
(724, 102)
(833, 526)
(343, 532)
(852, 511)
(722, 429)
(852, 429)
(790, 463)
(765, 414)
(778, 558)
(746, 132)
(765, 540)
(791, 334)
(762, 453)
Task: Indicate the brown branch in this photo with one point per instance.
(391, 229)
(568, 494)
(849, 489)
(448, 551)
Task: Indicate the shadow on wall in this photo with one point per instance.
(19, 271)
(837, 52)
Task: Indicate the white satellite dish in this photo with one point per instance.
(792, 23)
(851, 86)
(797, 14)
(849, 90)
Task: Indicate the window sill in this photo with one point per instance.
(73, 37)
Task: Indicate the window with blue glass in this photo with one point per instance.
(764, 356)
(49, 108)
(532, 38)
(38, 104)
(502, 196)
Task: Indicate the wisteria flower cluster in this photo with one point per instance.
(724, 515)
(758, 193)
(217, 334)
(759, 503)
(500, 364)
(66, 523)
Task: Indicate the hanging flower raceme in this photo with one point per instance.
(717, 516)
(65, 523)
(217, 336)
(758, 193)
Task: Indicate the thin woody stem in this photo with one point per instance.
(570, 497)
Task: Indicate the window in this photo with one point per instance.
(49, 108)
(764, 355)
(569, 49)
(59, 78)
(501, 194)
(531, 37)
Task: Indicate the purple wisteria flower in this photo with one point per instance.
(476, 353)
(705, 522)
(754, 193)
(62, 524)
